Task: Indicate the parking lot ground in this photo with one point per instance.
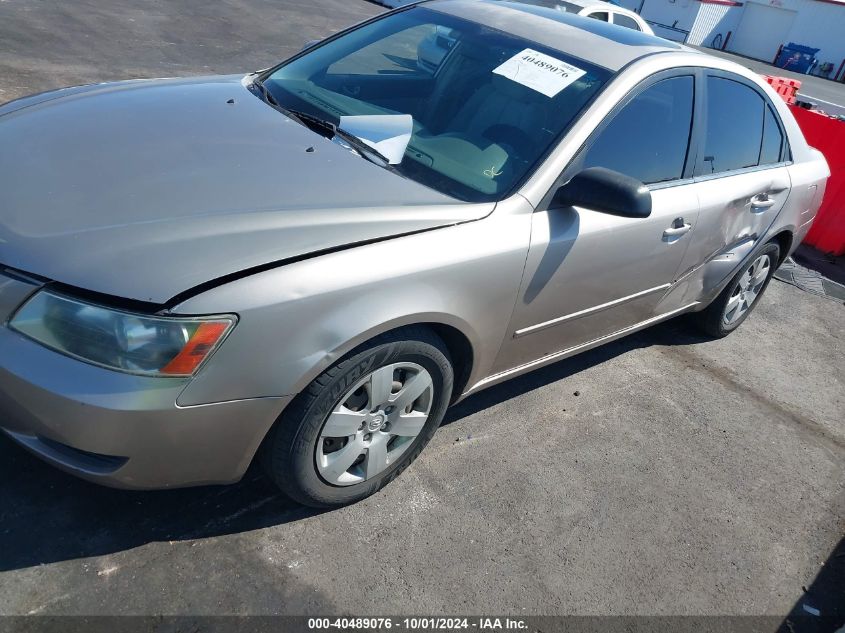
(687, 476)
(45, 45)
(826, 94)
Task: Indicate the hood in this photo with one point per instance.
(145, 189)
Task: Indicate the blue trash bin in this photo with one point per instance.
(797, 58)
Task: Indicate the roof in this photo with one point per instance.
(604, 44)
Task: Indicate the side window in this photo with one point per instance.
(600, 15)
(648, 138)
(771, 149)
(626, 21)
(734, 127)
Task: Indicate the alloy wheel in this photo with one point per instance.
(747, 290)
(374, 423)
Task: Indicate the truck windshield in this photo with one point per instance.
(486, 107)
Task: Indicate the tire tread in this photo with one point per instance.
(709, 320)
(284, 440)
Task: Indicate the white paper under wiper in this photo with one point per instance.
(388, 134)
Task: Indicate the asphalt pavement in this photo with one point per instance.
(661, 474)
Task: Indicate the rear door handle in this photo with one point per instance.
(761, 202)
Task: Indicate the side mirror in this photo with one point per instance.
(607, 191)
(310, 43)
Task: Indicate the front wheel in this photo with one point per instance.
(363, 421)
(736, 301)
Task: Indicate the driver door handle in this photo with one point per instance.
(678, 228)
(761, 202)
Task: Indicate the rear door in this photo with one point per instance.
(590, 274)
(741, 172)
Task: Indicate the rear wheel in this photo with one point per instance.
(734, 304)
(363, 421)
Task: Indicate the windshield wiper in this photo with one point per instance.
(309, 120)
(360, 146)
(265, 93)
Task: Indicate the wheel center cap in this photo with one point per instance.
(375, 422)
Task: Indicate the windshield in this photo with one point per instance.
(484, 107)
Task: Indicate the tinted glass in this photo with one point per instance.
(770, 151)
(480, 125)
(734, 127)
(648, 138)
(601, 15)
(624, 20)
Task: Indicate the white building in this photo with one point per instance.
(754, 28)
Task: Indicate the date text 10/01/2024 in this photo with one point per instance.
(419, 623)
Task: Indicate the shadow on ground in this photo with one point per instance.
(822, 607)
(831, 266)
(49, 516)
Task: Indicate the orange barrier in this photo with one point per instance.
(785, 87)
(827, 135)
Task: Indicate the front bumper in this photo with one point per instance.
(122, 430)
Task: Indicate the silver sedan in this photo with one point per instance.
(308, 264)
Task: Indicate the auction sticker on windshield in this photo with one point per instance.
(540, 72)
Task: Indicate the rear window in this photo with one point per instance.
(626, 21)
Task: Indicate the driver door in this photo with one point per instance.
(590, 274)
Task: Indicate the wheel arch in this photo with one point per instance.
(784, 240)
(456, 335)
(460, 351)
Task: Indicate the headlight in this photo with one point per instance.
(133, 343)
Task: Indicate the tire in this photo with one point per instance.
(721, 318)
(320, 431)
